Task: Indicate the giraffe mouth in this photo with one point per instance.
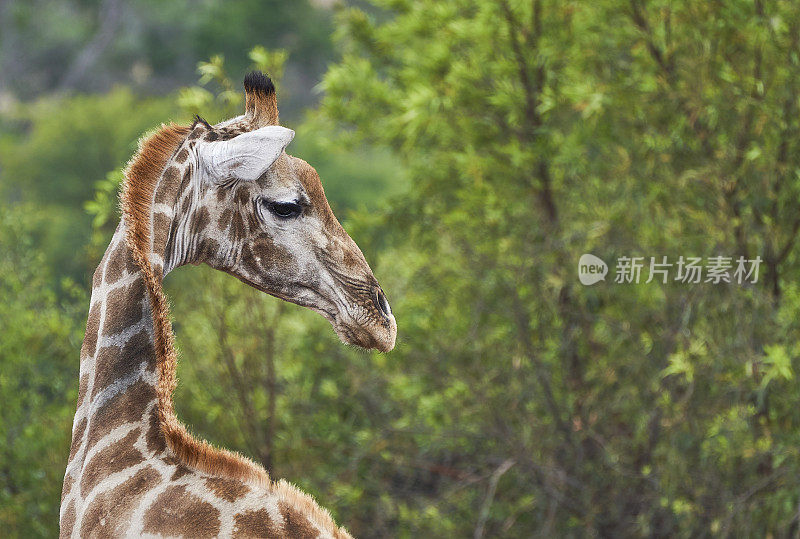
(326, 311)
(383, 341)
(362, 328)
(368, 323)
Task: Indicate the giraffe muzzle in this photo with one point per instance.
(368, 323)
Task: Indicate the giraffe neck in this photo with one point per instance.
(118, 355)
(126, 382)
(117, 396)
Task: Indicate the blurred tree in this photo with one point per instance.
(38, 369)
(536, 132)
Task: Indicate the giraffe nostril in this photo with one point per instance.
(382, 303)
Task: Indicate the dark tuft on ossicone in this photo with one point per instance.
(257, 82)
(260, 101)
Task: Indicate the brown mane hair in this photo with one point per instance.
(142, 175)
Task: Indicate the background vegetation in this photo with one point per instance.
(474, 149)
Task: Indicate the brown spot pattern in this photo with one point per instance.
(77, 438)
(225, 219)
(201, 220)
(68, 520)
(168, 187)
(97, 276)
(119, 261)
(123, 307)
(109, 513)
(154, 437)
(178, 512)
(242, 197)
(252, 221)
(207, 251)
(182, 155)
(92, 331)
(180, 471)
(350, 259)
(271, 257)
(125, 407)
(180, 468)
(238, 230)
(114, 458)
(161, 228)
(227, 133)
(66, 487)
(255, 524)
(114, 363)
(296, 525)
(227, 489)
(83, 386)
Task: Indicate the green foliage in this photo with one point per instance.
(104, 211)
(81, 138)
(536, 132)
(38, 368)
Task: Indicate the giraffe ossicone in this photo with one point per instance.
(229, 196)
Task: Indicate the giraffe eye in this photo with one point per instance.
(284, 210)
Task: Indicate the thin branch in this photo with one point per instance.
(271, 386)
(787, 247)
(523, 330)
(532, 86)
(640, 20)
(487, 502)
(668, 69)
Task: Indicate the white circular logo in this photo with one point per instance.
(591, 269)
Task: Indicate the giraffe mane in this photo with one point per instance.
(142, 175)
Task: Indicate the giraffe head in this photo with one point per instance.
(247, 208)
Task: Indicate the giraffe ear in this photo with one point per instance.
(246, 156)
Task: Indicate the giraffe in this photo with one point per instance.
(228, 196)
